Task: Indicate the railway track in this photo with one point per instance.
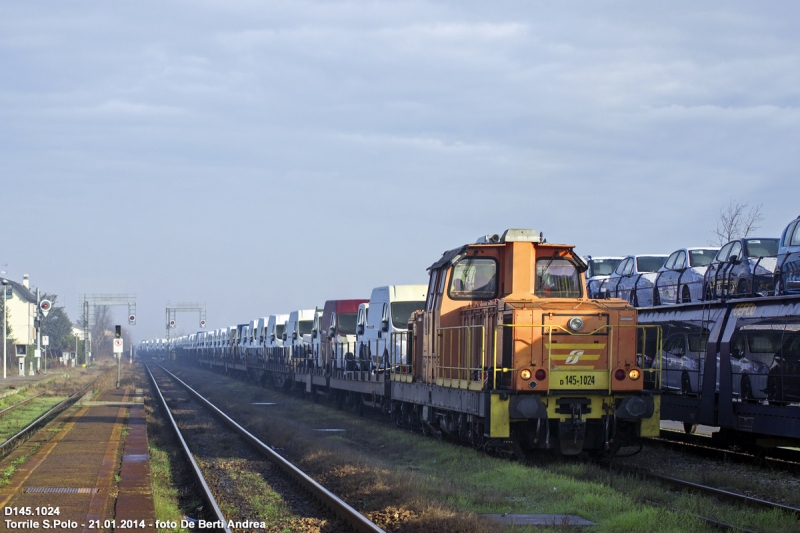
(21, 436)
(730, 496)
(328, 502)
(783, 459)
(10, 408)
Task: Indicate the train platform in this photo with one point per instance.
(86, 471)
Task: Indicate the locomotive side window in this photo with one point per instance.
(474, 279)
(431, 301)
(557, 278)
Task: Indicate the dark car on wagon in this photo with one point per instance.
(783, 380)
(787, 272)
(742, 268)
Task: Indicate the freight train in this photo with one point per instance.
(503, 350)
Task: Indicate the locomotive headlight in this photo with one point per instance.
(575, 323)
(634, 374)
(525, 374)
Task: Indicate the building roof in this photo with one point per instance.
(22, 291)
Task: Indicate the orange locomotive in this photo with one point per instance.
(510, 353)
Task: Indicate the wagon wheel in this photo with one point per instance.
(746, 389)
(686, 295)
(359, 406)
(743, 288)
(476, 435)
(774, 389)
(708, 295)
(686, 384)
(426, 430)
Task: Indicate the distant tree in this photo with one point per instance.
(736, 221)
(102, 331)
(9, 332)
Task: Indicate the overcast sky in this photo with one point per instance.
(266, 156)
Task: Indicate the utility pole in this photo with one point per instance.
(5, 321)
(85, 333)
(42, 309)
(118, 349)
(38, 354)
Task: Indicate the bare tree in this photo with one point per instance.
(736, 221)
(102, 331)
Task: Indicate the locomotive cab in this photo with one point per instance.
(514, 351)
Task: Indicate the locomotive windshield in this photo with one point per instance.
(557, 278)
(279, 330)
(347, 323)
(474, 279)
(401, 312)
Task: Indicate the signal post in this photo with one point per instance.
(118, 348)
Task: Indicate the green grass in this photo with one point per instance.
(165, 494)
(17, 397)
(19, 418)
(260, 501)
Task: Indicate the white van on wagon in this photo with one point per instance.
(273, 342)
(383, 322)
(300, 323)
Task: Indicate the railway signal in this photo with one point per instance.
(172, 323)
(45, 306)
(202, 323)
(132, 320)
(118, 349)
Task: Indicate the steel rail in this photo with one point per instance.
(722, 493)
(11, 443)
(198, 475)
(730, 495)
(710, 521)
(358, 521)
(781, 458)
(18, 404)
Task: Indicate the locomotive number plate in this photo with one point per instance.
(578, 380)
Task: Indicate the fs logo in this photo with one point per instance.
(574, 355)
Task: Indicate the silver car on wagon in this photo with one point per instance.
(634, 279)
(680, 280)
